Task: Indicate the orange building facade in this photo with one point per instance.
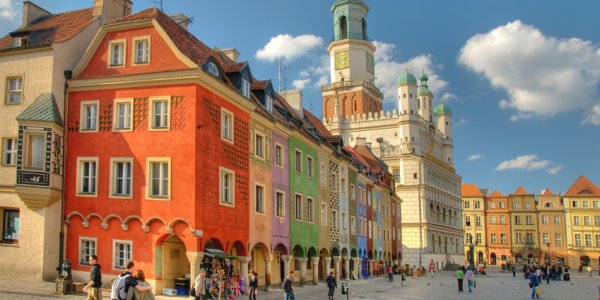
(497, 222)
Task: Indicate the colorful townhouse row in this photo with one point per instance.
(125, 136)
(523, 227)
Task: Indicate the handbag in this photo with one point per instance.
(538, 291)
(193, 292)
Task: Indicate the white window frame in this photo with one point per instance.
(558, 239)
(545, 238)
(80, 161)
(17, 91)
(503, 238)
(245, 87)
(83, 116)
(492, 219)
(9, 156)
(114, 265)
(111, 54)
(544, 219)
(493, 238)
(353, 225)
(576, 220)
(587, 221)
(323, 174)
(556, 220)
(228, 202)
(277, 214)
(230, 130)
(577, 238)
(269, 103)
(502, 220)
(263, 200)
(501, 204)
(259, 147)
(352, 191)
(588, 240)
(113, 177)
(279, 155)
(296, 160)
(212, 68)
(296, 209)
(149, 178)
(134, 54)
(83, 257)
(151, 111)
(117, 114)
(323, 214)
(310, 209)
(310, 166)
(344, 223)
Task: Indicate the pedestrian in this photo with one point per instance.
(288, 287)
(200, 286)
(253, 285)
(548, 274)
(538, 273)
(331, 284)
(533, 283)
(470, 276)
(459, 276)
(94, 286)
(390, 273)
(141, 281)
(125, 281)
(431, 268)
(514, 271)
(589, 271)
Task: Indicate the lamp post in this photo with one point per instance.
(549, 258)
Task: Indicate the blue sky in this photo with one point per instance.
(521, 77)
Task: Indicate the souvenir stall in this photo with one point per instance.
(224, 280)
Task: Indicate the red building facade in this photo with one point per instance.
(157, 161)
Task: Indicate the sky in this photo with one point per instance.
(521, 77)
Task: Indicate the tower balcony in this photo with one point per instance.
(349, 84)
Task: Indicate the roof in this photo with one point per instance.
(321, 129)
(423, 90)
(548, 192)
(259, 84)
(496, 193)
(442, 109)
(43, 109)
(359, 158)
(470, 190)
(50, 29)
(521, 192)
(406, 78)
(583, 187)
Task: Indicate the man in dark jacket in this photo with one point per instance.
(331, 284)
(94, 286)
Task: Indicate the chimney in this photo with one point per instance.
(232, 53)
(361, 141)
(109, 10)
(31, 12)
(181, 19)
(294, 99)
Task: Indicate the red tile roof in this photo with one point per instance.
(548, 192)
(470, 190)
(497, 193)
(50, 29)
(233, 67)
(321, 129)
(521, 192)
(259, 84)
(583, 187)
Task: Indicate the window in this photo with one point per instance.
(280, 204)
(477, 204)
(159, 170)
(492, 219)
(298, 207)
(89, 116)
(87, 247)
(396, 174)
(334, 219)
(260, 199)
(588, 240)
(556, 219)
(344, 191)
(586, 220)
(352, 225)
(269, 103)
(574, 204)
(323, 175)
(323, 214)
(352, 192)
(502, 219)
(121, 254)
(576, 220)
(597, 236)
(344, 226)
(122, 119)
(578, 239)
(597, 220)
(545, 238)
(544, 219)
(14, 90)
(310, 169)
(516, 205)
(549, 205)
(117, 53)
(159, 113)
(88, 173)
(245, 88)
(518, 220)
(10, 226)
(278, 155)
(478, 238)
(370, 229)
(557, 239)
(19, 42)
(121, 171)
(467, 221)
(227, 186)
(298, 161)
(595, 204)
(35, 151)
(585, 204)
(310, 209)
(226, 125)
(467, 204)
(528, 220)
(478, 221)
(527, 205)
(492, 205)
(9, 152)
(259, 145)
(212, 68)
(142, 50)
(501, 204)
(503, 238)
(529, 238)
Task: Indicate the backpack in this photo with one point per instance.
(118, 291)
(287, 285)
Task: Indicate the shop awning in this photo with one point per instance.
(218, 253)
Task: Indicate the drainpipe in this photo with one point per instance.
(68, 74)
(420, 212)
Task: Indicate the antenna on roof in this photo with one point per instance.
(159, 2)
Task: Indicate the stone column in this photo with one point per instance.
(302, 261)
(357, 267)
(336, 261)
(315, 267)
(370, 268)
(347, 267)
(244, 269)
(327, 265)
(268, 261)
(286, 265)
(195, 259)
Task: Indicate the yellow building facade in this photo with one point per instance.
(474, 223)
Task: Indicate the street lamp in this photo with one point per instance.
(548, 245)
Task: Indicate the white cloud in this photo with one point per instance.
(317, 72)
(289, 47)
(530, 163)
(7, 10)
(593, 116)
(300, 83)
(475, 157)
(542, 75)
(387, 70)
(461, 122)
(447, 97)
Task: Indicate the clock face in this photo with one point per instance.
(341, 60)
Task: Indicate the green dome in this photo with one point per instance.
(442, 109)
(406, 78)
(423, 90)
(423, 76)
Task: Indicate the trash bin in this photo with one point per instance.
(344, 288)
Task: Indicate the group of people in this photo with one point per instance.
(465, 273)
(127, 286)
(547, 272)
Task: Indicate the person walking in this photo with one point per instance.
(431, 268)
(133, 293)
(548, 274)
(288, 287)
(390, 273)
(470, 278)
(533, 283)
(514, 271)
(459, 276)
(200, 286)
(94, 287)
(331, 284)
(253, 285)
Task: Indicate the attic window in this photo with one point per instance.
(245, 88)
(19, 41)
(269, 103)
(212, 68)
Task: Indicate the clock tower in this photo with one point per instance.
(352, 90)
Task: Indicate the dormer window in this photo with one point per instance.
(269, 103)
(117, 53)
(19, 41)
(141, 55)
(212, 69)
(245, 88)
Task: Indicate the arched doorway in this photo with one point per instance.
(530, 258)
(323, 264)
(278, 264)
(493, 259)
(311, 254)
(584, 260)
(175, 263)
(353, 267)
(480, 258)
(257, 263)
(519, 258)
(343, 262)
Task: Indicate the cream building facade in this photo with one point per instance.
(415, 139)
(474, 223)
